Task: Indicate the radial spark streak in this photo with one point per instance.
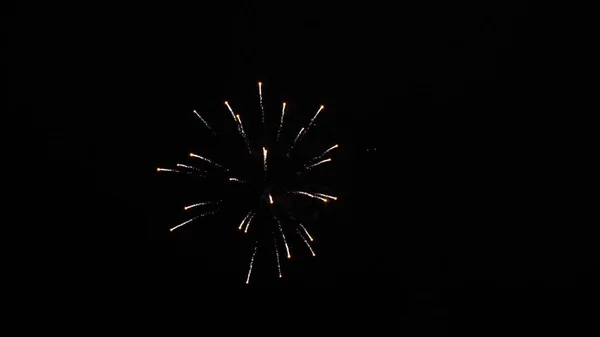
(324, 153)
(248, 223)
(277, 256)
(326, 196)
(236, 180)
(305, 231)
(319, 163)
(295, 141)
(312, 121)
(298, 136)
(192, 219)
(262, 109)
(203, 121)
(199, 204)
(184, 223)
(270, 199)
(207, 160)
(305, 241)
(244, 220)
(281, 121)
(243, 133)
(199, 172)
(190, 167)
(310, 195)
(158, 169)
(264, 159)
(251, 263)
(230, 110)
(287, 249)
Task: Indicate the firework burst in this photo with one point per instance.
(272, 184)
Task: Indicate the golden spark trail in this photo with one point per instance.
(190, 167)
(262, 109)
(297, 136)
(208, 161)
(265, 159)
(199, 204)
(309, 195)
(248, 223)
(158, 169)
(295, 141)
(326, 196)
(198, 171)
(315, 117)
(244, 220)
(192, 219)
(319, 163)
(236, 180)
(305, 231)
(243, 133)
(203, 121)
(251, 262)
(277, 256)
(307, 244)
(287, 249)
(184, 223)
(230, 110)
(324, 153)
(281, 121)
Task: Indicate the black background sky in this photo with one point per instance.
(447, 207)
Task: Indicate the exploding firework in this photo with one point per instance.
(273, 183)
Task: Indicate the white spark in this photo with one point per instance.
(307, 244)
(264, 159)
(281, 121)
(230, 110)
(305, 231)
(277, 256)
(295, 141)
(199, 172)
(243, 133)
(167, 170)
(319, 163)
(324, 153)
(315, 117)
(203, 121)
(248, 223)
(287, 249)
(192, 219)
(309, 195)
(262, 109)
(184, 223)
(298, 136)
(207, 160)
(244, 220)
(200, 204)
(251, 262)
(190, 167)
(326, 196)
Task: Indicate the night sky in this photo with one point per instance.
(433, 106)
